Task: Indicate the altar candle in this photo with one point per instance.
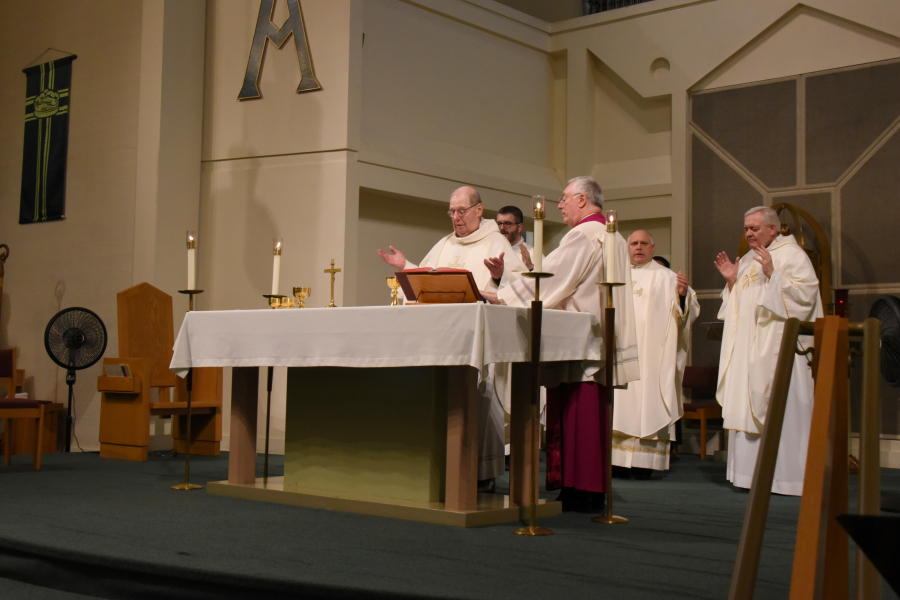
(276, 264)
(611, 227)
(538, 251)
(192, 260)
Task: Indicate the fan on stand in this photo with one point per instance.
(75, 339)
(887, 310)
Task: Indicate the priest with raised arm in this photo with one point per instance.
(577, 425)
(474, 240)
(645, 413)
(773, 282)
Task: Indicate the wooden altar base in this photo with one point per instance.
(492, 509)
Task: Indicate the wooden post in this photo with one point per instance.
(868, 581)
(821, 563)
(743, 581)
(462, 439)
(242, 446)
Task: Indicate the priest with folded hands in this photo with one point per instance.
(474, 240)
(577, 424)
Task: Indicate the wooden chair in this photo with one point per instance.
(13, 410)
(701, 379)
(8, 372)
(146, 339)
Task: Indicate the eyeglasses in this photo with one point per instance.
(461, 212)
(505, 224)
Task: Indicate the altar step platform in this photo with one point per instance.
(85, 527)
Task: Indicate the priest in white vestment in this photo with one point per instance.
(774, 281)
(664, 309)
(474, 240)
(577, 425)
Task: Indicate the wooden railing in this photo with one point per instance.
(821, 563)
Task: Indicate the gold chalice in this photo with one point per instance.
(302, 294)
(287, 302)
(394, 285)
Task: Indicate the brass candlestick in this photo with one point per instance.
(536, 319)
(302, 293)
(332, 270)
(394, 285)
(187, 485)
(609, 337)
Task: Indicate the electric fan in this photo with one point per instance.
(75, 339)
(887, 310)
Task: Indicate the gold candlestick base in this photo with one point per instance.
(532, 531)
(187, 486)
(609, 520)
(274, 299)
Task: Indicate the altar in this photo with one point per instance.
(382, 402)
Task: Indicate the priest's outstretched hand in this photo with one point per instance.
(495, 266)
(764, 258)
(681, 283)
(727, 268)
(491, 297)
(396, 260)
(526, 257)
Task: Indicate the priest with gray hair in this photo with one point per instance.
(773, 282)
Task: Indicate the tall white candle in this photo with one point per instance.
(276, 265)
(538, 250)
(192, 260)
(611, 227)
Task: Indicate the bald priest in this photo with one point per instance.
(645, 413)
(577, 426)
(473, 241)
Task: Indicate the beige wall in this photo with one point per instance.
(86, 258)
(419, 97)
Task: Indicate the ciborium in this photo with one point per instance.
(302, 294)
(394, 285)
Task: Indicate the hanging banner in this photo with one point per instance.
(46, 141)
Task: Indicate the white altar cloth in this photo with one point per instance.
(380, 336)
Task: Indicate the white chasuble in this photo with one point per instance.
(645, 410)
(470, 253)
(755, 310)
(577, 265)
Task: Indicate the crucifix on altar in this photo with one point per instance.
(332, 270)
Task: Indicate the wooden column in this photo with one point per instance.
(242, 445)
(462, 439)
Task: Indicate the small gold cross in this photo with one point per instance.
(332, 270)
(457, 263)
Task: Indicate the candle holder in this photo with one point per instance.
(274, 299)
(536, 318)
(609, 343)
(191, 294)
(187, 485)
(302, 293)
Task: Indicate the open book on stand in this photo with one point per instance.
(438, 286)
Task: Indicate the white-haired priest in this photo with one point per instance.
(773, 282)
(577, 425)
(645, 413)
(474, 240)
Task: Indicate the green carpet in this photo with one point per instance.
(113, 529)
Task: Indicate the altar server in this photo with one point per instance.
(771, 283)
(511, 221)
(645, 413)
(473, 240)
(577, 426)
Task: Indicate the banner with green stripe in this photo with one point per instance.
(46, 141)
